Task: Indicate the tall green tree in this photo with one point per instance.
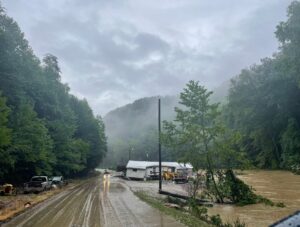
(6, 160)
(31, 144)
(90, 130)
(195, 129)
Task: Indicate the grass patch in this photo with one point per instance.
(179, 215)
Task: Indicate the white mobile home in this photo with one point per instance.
(136, 169)
(149, 170)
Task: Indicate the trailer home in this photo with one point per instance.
(144, 170)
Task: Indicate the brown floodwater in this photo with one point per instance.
(278, 186)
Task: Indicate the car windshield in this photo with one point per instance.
(56, 178)
(42, 179)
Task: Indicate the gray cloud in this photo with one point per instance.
(113, 52)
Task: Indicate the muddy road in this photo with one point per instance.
(98, 202)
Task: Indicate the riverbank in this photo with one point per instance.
(278, 186)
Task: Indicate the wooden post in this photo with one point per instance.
(159, 145)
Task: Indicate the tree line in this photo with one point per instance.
(261, 112)
(264, 102)
(258, 126)
(44, 130)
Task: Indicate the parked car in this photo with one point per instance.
(37, 184)
(58, 181)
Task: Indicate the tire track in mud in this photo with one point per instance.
(121, 205)
(111, 218)
(94, 203)
(126, 216)
(115, 210)
(24, 218)
(78, 207)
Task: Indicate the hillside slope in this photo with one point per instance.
(132, 129)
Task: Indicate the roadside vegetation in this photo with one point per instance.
(188, 213)
(44, 130)
(183, 217)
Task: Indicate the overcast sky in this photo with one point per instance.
(115, 51)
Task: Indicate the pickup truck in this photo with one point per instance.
(37, 184)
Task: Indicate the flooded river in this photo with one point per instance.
(278, 186)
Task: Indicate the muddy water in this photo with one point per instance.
(278, 186)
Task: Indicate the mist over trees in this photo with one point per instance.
(132, 131)
(43, 128)
(264, 101)
(261, 110)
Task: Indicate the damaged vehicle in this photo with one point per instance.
(37, 184)
(58, 181)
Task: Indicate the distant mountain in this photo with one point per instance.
(127, 121)
(132, 129)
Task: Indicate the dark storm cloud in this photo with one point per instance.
(112, 52)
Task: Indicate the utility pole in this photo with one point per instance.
(159, 145)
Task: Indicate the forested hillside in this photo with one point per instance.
(262, 107)
(132, 130)
(43, 128)
(264, 101)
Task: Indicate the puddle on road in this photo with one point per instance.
(130, 210)
(116, 188)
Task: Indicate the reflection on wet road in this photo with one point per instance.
(122, 208)
(98, 202)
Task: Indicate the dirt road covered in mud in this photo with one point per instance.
(97, 202)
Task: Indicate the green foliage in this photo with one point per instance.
(5, 132)
(6, 160)
(197, 135)
(197, 211)
(263, 102)
(194, 127)
(290, 142)
(31, 144)
(216, 220)
(236, 190)
(183, 217)
(227, 152)
(43, 128)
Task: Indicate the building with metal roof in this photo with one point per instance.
(149, 170)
